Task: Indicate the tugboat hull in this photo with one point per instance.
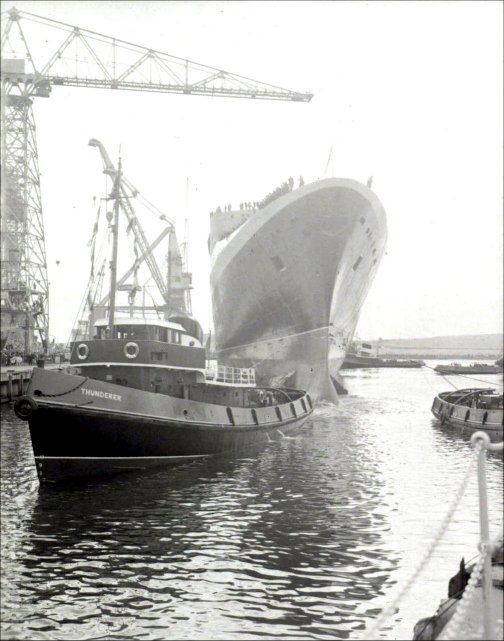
(84, 427)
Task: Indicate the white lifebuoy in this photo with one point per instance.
(131, 350)
(82, 351)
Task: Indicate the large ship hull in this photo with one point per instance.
(289, 282)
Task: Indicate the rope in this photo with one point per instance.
(276, 338)
(391, 609)
(68, 391)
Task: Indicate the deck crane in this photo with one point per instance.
(173, 297)
(38, 54)
(126, 193)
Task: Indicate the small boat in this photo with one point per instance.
(360, 356)
(355, 361)
(474, 368)
(475, 409)
(139, 392)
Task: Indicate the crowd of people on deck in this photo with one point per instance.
(283, 189)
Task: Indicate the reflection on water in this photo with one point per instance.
(304, 539)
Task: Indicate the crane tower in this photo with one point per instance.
(38, 54)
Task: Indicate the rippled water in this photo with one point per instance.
(305, 539)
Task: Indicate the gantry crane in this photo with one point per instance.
(83, 59)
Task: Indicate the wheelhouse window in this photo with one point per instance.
(132, 332)
(175, 337)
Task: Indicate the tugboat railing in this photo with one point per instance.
(226, 375)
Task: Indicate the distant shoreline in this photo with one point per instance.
(469, 346)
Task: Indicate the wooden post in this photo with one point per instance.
(9, 388)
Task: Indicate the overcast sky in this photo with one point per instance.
(409, 92)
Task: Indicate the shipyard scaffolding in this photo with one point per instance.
(25, 288)
(39, 53)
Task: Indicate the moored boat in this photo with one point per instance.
(360, 356)
(473, 368)
(139, 392)
(474, 409)
(289, 278)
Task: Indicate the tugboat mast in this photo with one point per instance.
(115, 195)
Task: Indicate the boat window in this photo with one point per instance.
(293, 409)
(278, 413)
(229, 413)
(175, 337)
(357, 263)
(157, 356)
(254, 416)
(466, 417)
(485, 417)
(132, 332)
(303, 404)
(309, 401)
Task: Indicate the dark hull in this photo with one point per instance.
(468, 370)
(288, 285)
(358, 362)
(127, 429)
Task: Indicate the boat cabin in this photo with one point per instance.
(150, 354)
(164, 357)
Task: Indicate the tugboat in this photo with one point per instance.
(139, 392)
(475, 408)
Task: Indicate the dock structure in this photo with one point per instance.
(14, 380)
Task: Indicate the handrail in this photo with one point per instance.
(231, 375)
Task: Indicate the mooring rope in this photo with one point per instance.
(454, 629)
(391, 609)
(275, 338)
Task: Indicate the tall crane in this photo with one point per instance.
(30, 70)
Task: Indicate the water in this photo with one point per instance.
(306, 539)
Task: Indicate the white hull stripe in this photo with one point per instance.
(120, 458)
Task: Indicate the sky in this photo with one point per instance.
(408, 92)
